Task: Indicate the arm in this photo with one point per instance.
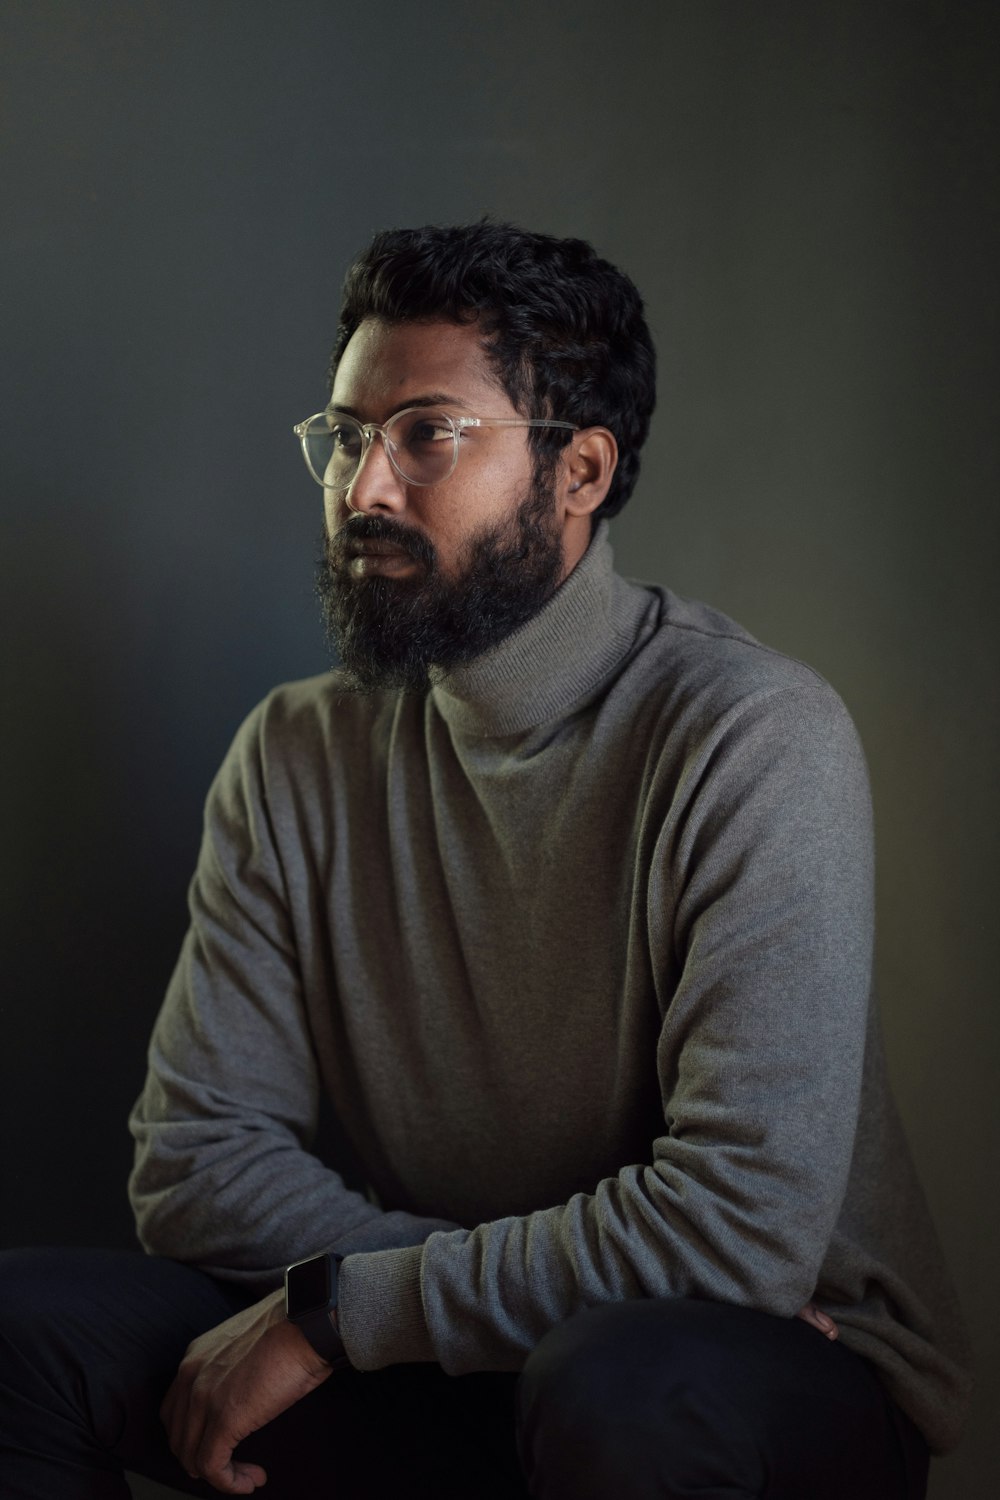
(760, 893)
(224, 1176)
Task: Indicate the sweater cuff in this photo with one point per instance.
(380, 1312)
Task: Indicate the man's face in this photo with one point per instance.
(419, 576)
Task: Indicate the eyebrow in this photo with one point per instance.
(436, 398)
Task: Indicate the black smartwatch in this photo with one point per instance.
(310, 1297)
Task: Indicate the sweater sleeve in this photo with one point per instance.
(224, 1177)
(758, 905)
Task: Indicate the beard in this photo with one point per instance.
(389, 632)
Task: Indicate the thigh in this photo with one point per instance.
(89, 1342)
(92, 1339)
(678, 1397)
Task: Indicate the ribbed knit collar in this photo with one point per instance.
(560, 656)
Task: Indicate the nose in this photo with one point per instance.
(376, 487)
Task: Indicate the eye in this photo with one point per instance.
(345, 436)
(425, 429)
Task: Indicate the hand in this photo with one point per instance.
(819, 1319)
(233, 1380)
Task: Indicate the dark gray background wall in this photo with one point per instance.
(806, 195)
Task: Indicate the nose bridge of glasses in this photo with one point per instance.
(369, 429)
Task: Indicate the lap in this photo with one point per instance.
(617, 1400)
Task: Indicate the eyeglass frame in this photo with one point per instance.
(369, 429)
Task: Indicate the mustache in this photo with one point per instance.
(359, 529)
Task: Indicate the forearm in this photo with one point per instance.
(244, 1203)
(481, 1300)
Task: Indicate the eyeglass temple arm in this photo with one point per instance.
(300, 427)
(512, 422)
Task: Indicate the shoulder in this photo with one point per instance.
(704, 648)
(701, 668)
(303, 758)
(753, 759)
(314, 713)
(709, 705)
(305, 734)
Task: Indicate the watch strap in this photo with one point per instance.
(319, 1330)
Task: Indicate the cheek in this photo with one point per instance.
(475, 499)
(335, 512)
(494, 488)
(455, 519)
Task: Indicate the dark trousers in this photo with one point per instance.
(638, 1399)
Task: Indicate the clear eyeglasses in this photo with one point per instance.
(422, 443)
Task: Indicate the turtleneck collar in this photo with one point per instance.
(561, 655)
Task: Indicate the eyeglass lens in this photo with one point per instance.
(422, 446)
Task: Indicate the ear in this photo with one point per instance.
(586, 469)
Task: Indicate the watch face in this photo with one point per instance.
(308, 1286)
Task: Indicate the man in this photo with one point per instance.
(555, 900)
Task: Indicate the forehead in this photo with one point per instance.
(387, 364)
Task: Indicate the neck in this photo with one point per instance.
(559, 657)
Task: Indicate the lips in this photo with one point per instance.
(376, 549)
(370, 559)
(373, 547)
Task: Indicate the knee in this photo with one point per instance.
(605, 1362)
(567, 1376)
(608, 1401)
(576, 1406)
(36, 1323)
(84, 1333)
(26, 1296)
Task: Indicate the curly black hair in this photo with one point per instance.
(563, 329)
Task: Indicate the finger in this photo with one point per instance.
(818, 1319)
(235, 1477)
(214, 1460)
(827, 1325)
(247, 1477)
(190, 1423)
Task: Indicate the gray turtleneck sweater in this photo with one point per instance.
(576, 952)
